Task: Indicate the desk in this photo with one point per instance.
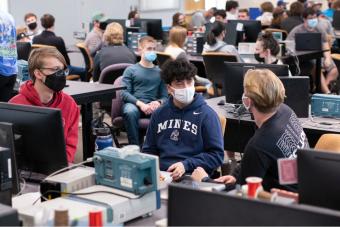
(240, 130)
(85, 94)
(307, 56)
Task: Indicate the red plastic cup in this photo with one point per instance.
(253, 184)
(95, 218)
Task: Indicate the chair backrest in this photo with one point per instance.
(112, 72)
(329, 142)
(87, 59)
(214, 65)
(36, 46)
(223, 122)
(162, 58)
(284, 32)
(117, 103)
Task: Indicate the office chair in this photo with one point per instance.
(117, 117)
(329, 142)
(214, 67)
(89, 65)
(162, 58)
(109, 76)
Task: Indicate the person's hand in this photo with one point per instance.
(154, 105)
(228, 179)
(327, 62)
(198, 174)
(145, 108)
(177, 170)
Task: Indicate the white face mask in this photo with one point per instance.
(184, 95)
(243, 98)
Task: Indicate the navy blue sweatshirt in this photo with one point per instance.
(191, 135)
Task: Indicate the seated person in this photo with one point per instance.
(279, 15)
(133, 16)
(185, 132)
(267, 49)
(215, 41)
(47, 37)
(175, 48)
(310, 25)
(178, 19)
(114, 51)
(266, 18)
(220, 15)
(294, 17)
(145, 90)
(243, 14)
(93, 40)
(23, 43)
(48, 70)
(279, 132)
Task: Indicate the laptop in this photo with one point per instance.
(308, 41)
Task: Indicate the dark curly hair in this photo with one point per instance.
(269, 42)
(179, 69)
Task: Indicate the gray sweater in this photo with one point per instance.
(221, 46)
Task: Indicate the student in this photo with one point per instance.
(231, 7)
(215, 41)
(23, 43)
(294, 17)
(32, 25)
(243, 14)
(48, 37)
(278, 16)
(266, 49)
(133, 16)
(201, 18)
(220, 15)
(145, 91)
(8, 59)
(178, 19)
(185, 132)
(266, 18)
(114, 51)
(279, 133)
(48, 70)
(310, 25)
(93, 40)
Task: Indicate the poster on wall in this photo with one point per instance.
(150, 5)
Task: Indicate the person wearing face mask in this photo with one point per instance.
(185, 132)
(310, 25)
(215, 41)
(48, 70)
(32, 25)
(145, 91)
(267, 49)
(279, 133)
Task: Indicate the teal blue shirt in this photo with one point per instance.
(143, 84)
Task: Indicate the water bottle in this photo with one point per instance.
(104, 138)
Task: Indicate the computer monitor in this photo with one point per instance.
(188, 206)
(336, 20)
(251, 29)
(319, 178)
(234, 73)
(153, 27)
(41, 146)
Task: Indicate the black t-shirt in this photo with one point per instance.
(279, 137)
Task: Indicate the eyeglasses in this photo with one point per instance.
(58, 72)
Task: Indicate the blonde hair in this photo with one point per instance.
(37, 58)
(114, 34)
(177, 36)
(264, 88)
(21, 29)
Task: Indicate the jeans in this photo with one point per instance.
(74, 70)
(131, 115)
(6, 87)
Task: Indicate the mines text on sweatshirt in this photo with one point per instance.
(191, 135)
(69, 112)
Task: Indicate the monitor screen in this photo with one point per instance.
(153, 27)
(319, 178)
(251, 29)
(234, 73)
(39, 143)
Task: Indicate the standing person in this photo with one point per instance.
(31, 22)
(8, 56)
(48, 70)
(266, 18)
(93, 40)
(145, 90)
(231, 7)
(279, 133)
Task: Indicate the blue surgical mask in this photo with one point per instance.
(150, 56)
(312, 23)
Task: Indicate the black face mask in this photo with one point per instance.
(32, 26)
(56, 81)
(258, 58)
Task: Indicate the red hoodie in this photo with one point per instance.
(69, 111)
